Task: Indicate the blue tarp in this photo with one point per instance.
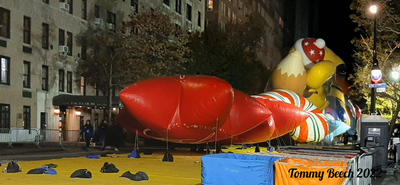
(231, 169)
(92, 156)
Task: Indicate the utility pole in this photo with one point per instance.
(109, 94)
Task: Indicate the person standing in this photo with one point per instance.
(87, 132)
(117, 132)
(102, 133)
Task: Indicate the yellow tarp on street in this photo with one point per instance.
(185, 170)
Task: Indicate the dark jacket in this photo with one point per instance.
(88, 131)
(102, 130)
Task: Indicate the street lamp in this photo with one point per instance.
(376, 73)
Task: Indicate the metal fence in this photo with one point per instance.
(19, 135)
(37, 136)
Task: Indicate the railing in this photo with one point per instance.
(71, 135)
(365, 162)
(49, 135)
(4, 135)
(36, 136)
(19, 135)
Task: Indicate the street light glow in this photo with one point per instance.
(373, 9)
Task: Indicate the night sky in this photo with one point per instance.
(337, 29)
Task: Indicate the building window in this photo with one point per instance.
(27, 117)
(45, 77)
(223, 8)
(61, 80)
(43, 123)
(46, 1)
(166, 2)
(96, 11)
(240, 5)
(71, 6)
(45, 36)
(229, 14)
(4, 22)
(27, 30)
(178, 4)
(5, 70)
(135, 5)
(83, 86)
(84, 7)
(189, 12)
(199, 19)
(69, 43)
(83, 49)
(61, 37)
(69, 81)
(223, 26)
(111, 19)
(27, 74)
(4, 117)
(210, 5)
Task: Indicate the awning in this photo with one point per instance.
(85, 101)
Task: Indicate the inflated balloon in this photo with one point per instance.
(286, 115)
(182, 108)
(290, 74)
(277, 126)
(315, 128)
(340, 129)
(246, 114)
(201, 109)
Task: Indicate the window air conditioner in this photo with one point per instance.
(98, 21)
(133, 7)
(63, 49)
(64, 6)
(111, 26)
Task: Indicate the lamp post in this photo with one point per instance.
(376, 73)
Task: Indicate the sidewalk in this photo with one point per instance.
(29, 151)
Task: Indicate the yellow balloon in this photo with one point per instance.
(320, 73)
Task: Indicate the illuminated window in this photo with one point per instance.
(5, 70)
(83, 86)
(210, 4)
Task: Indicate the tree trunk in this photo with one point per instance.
(110, 95)
(393, 121)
